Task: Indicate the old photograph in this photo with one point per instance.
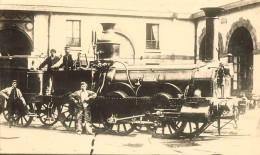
(129, 77)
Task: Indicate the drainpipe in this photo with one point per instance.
(49, 27)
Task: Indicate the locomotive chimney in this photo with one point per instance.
(108, 44)
(211, 38)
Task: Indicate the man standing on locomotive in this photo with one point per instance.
(67, 60)
(50, 62)
(81, 99)
(15, 99)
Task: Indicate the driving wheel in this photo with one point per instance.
(49, 115)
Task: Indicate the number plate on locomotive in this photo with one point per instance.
(150, 78)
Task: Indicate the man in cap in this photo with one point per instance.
(67, 60)
(15, 99)
(81, 99)
(50, 62)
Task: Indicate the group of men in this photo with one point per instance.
(80, 98)
(53, 63)
(52, 60)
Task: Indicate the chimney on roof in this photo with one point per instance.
(211, 38)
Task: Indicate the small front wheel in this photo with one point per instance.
(165, 129)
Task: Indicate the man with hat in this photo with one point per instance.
(67, 60)
(50, 62)
(15, 99)
(81, 99)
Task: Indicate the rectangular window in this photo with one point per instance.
(73, 29)
(152, 36)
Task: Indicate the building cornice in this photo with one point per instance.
(235, 6)
(86, 10)
(232, 7)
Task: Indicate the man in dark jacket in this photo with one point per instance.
(67, 60)
(50, 61)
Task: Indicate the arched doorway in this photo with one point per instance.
(14, 42)
(241, 47)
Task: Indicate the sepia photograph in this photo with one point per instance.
(130, 77)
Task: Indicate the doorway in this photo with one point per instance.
(14, 42)
(241, 47)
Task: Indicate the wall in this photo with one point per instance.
(40, 37)
(172, 41)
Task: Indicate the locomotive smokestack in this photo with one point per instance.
(211, 38)
(108, 43)
(108, 26)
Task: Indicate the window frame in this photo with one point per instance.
(149, 39)
(72, 31)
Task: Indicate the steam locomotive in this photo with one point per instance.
(169, 101)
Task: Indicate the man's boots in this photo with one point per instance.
(88, 128)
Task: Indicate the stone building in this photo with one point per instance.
(151, 36)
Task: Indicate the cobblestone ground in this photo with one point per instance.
(38, 139)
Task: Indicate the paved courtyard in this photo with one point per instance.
(48, 140)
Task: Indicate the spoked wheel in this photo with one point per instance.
(141, 128)
(5, 111)
(142, 123)
(19, 118)
(165, 129)
(122, 127)
(67, 116)
(192, 129)
(49, 116)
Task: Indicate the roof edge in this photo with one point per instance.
(228, 7)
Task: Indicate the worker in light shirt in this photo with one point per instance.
(81, 99)
(15, 100)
